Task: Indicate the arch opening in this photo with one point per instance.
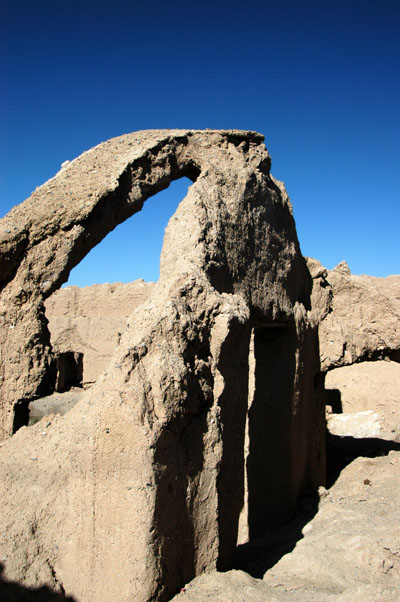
(87, 316)
(132, 249)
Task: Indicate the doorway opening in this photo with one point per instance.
(267, 452)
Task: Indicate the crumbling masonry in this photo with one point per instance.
(140, 486)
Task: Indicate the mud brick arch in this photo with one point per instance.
(140, 486)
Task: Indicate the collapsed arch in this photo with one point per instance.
(177, 386)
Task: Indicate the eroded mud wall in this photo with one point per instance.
(140, 486)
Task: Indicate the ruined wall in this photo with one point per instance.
(140, 486)
(90, 321)
(359, 315)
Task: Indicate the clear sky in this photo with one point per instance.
(320, 79)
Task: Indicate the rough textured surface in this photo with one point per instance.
(359, 315)
(349, 551)
(139, 487)
(90, 321)
(344, 544)
(339, 556)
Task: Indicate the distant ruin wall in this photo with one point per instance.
(91, 320)
(359, 316)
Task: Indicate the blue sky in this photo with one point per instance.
(319, 79)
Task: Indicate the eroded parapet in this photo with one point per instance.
(139, 487)
(358, 316)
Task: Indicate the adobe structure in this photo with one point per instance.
(139, 487)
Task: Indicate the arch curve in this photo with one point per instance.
(155, 449)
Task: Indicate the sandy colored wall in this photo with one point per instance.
(90, 321)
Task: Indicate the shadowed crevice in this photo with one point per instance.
(341, 451)
(334, 399)
(269, 462)
(262, 553)
(233, 365)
